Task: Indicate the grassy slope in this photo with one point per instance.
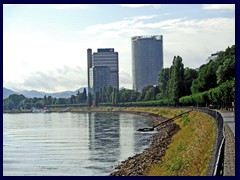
(190, 150)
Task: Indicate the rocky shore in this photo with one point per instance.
(140, 164)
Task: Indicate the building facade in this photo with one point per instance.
(147, 60)
(212, 57)
(102, 69)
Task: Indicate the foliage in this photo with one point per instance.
(189, 76)
(163, 79)
(222, 95)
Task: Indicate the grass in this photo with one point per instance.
(190, 149)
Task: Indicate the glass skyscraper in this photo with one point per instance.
(147, 60)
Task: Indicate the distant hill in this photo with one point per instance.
(32, 93)
(7, 92)
(39, 94)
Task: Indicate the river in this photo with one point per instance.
(70, 144)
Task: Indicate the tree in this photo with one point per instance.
(206, 78)
(72, 99)
(189, 76)
(226, 71)
(144, 91)
(84, 96)
(8, 104)
(45, 100)
(163, 79)
(61, 101)
(49, 100)
(127, 95)
(14, 100)
(39, 104)
(78, 98)
(115, 96)
(27, 106)
(150, 94)
(96, 99)
(89, 99)
(175, 86)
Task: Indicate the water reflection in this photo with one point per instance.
(70, 143)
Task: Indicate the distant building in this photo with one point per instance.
(147, 60)
(212, 57)
(102, 69)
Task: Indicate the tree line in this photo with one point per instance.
(20, 102)
(212, 84)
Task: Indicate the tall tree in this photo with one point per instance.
(84, 96)
(175, 84)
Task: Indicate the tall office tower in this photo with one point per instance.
(102, 69)
(147, 60)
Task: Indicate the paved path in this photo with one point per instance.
(229, 154)
(229, 119)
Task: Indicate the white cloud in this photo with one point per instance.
(55, 80)
(143, 17)
(219, 7)
(140, 5)
(125, 79)
(193, 39)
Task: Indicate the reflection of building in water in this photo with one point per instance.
(91, 122)
(127, 141)
(104, 137)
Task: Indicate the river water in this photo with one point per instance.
(70, 144)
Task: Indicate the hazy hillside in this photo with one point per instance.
(7, 92)
(39, 94)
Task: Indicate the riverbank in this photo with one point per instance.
(182, 147)
(140, 164)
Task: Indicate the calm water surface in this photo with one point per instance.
(70, 144)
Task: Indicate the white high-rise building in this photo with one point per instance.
(147, 60)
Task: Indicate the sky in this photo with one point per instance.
(45, 45)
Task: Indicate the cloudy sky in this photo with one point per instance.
(45, 46)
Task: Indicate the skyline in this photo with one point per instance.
(45, 46)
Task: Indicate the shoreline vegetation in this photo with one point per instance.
(180, 148)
